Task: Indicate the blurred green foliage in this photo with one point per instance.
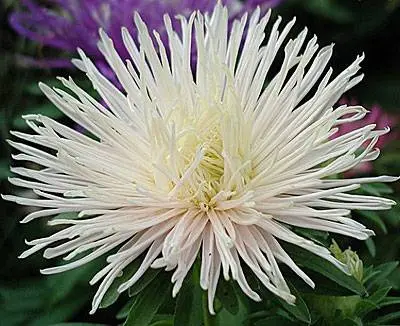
(27, 298)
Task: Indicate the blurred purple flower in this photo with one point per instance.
(69, 24)
(375, 116)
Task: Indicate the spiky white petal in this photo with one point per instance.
(203, 161)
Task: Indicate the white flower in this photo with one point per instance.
(200, 161)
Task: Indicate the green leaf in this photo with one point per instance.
(66, 283)
(332, 308)
(28, 296)
(387, 318)
(227, 296)
(351, 322)
(124, 311)
(4, 169)
(329, 9)
(165, 319)
(393, 216)
(275, 321)
(376, 189)
(379, 295)
(369, 273)
(163, 323)
(371, 246)
(64, 310)
(148, 303)
(388, 301)
(371, 303)
(48, 109)
(300, 309)
(394, 279)
(310, 261)
(320, 237)
(365, 306)
(375, 218)
(68, 216)
(381, 273)
(224, 317)
(77, 324)
(188, 304)
(323, 285)
(112, 293)
(45, 301)
(144, 281)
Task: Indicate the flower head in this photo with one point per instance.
(350, 258)
(69, 24)
(205, 162)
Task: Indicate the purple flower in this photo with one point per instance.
(69, 24)
(375, 116)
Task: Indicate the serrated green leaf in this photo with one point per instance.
(227, 296)
(144, 281)
(188, 304)
(310, 261)
(300, 309)
(148, 303)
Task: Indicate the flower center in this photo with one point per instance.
(212, 165)
(201, 152)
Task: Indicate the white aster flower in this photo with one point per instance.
(185, 162)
